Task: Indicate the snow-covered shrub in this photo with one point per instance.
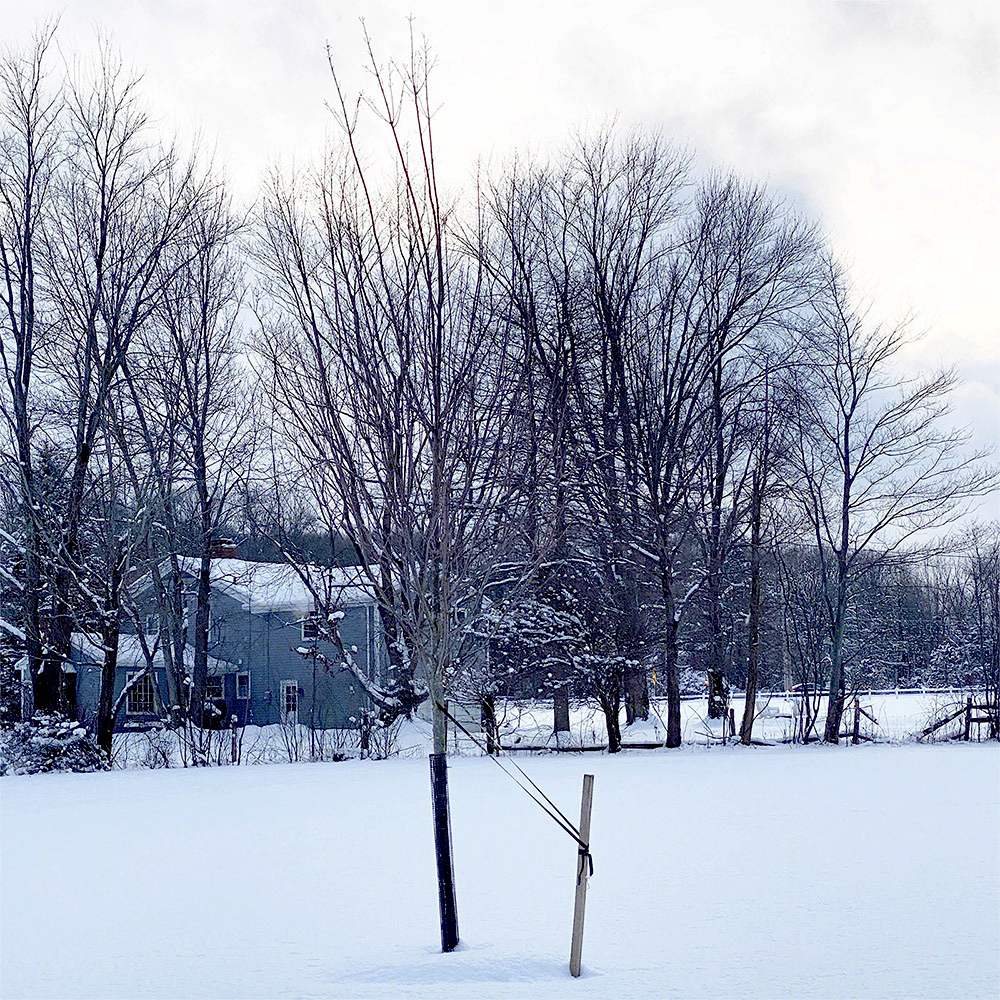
(692, 680)
(10, 689)
(154, 748)
(49, 743)
(376, 737)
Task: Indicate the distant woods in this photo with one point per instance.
(602, 428)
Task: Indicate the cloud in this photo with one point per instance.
(882, 118)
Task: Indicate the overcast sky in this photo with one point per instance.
(880, 118)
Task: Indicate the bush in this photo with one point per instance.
(49, 743)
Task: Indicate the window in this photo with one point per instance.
(243, 685)
(139, 700)
(310, 627)
(152, 625)
(213, 689)
(290, 701)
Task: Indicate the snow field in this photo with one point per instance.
(528, 724)
(766, 872)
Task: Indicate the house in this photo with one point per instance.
(261, 614)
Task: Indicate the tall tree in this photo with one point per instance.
(755, 272)
(876, 462)
(621, 202)
(120, 202)
(522, 250)
(197, 327)
(30, 153)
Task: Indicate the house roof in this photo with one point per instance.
(131, 656)
(261, 587)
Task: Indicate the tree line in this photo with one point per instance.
(604, 424)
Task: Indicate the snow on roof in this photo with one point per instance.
(131, 656)
(261, 587)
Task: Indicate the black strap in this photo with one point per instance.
(544, 803)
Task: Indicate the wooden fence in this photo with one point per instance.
(974, 714)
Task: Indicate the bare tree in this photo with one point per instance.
(755, 273)
(876, 463)
(30, 153)
(391, 373)
(185, 415)
(216, 406)
(769, 425)
(526, 254)
(621, 202)
(119, 203)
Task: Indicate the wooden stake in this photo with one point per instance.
(582, 874)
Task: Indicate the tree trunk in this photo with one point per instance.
(673, 686)
(111, 627)
(671, 671)
(718, 689)
(611, 705)
(201, 626)
(170, 610)
(636, 685)
(835, 699)
(636, 693)
(753, 627)
(106, 701)
(560, 709)
(488, 720)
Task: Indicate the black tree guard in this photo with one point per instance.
(442, 847)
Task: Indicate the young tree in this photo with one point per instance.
(391, 372)
(769, 423)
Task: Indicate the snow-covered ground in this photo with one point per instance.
(528, 725)
(866, 872)
(898, 716)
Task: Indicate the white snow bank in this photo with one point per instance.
(811, 872)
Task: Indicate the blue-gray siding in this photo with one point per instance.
(264, 645)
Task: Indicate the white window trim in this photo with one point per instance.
(129, 676)
(246, 674)
(311, 619)
(222, 685)
(285, 713)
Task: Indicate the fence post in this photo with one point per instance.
(857, 721)
(968, 717)
(582, 874)
(732, 722)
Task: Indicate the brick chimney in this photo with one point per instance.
(222, 548)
